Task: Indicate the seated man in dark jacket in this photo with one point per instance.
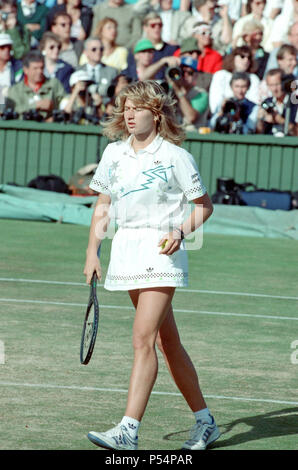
(236, 115)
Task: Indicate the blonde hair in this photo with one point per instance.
(149, 95)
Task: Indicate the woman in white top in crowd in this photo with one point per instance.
(240, 60)
(147, 179)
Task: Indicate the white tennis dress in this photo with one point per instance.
(149, 193)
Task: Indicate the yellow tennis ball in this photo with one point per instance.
(164, 244)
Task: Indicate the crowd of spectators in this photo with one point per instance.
(231, 64)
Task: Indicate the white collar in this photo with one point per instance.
(151, 148)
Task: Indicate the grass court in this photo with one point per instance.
(238, 320)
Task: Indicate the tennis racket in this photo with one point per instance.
(90, 324)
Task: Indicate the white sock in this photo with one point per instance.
(203, 415)
(132, 425)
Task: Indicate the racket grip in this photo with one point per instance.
(98, 251)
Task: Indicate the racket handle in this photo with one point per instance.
(98, 251)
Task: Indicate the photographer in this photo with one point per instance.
(236, 115)
(84, 104)
(35, 95)
(272, 113)
(192, 100)
(102, 75)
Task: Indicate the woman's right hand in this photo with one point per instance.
(92, 264)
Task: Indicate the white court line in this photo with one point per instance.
(121, 390)
(123, 307)
(198, 291)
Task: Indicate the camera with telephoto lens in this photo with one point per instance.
(269, 107)
(60, 116)
(230, 122)
(32, 115)
(81, 114)
(173, 73)
(9, 114)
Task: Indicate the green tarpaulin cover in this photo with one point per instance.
(32, 204)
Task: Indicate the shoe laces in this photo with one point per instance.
(200, 431)
(121, 435)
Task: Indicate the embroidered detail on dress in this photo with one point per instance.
(100, 184)
(197, 189)
(151, 275)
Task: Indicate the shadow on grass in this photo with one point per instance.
(262, 426)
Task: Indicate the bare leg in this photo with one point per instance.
(179, 363)
(177, 360)
(152, 307)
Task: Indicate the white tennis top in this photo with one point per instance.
(150, 188)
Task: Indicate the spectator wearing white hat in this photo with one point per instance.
(221, 25)
(10, 69)
(82, 94)
(210, 60)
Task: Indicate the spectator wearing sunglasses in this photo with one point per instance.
(255, 10)
(102, 75)
(240, 60)
(152, 30)
(221, 25)
(210, 61)
(71, 49)
(172, 20)
(144, 66)
(81, 17)
(50, 46)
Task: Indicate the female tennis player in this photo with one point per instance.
(146, 179)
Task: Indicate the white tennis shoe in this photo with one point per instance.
(117, 438)
(201, 436)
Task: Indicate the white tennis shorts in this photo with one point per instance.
(135, 261)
